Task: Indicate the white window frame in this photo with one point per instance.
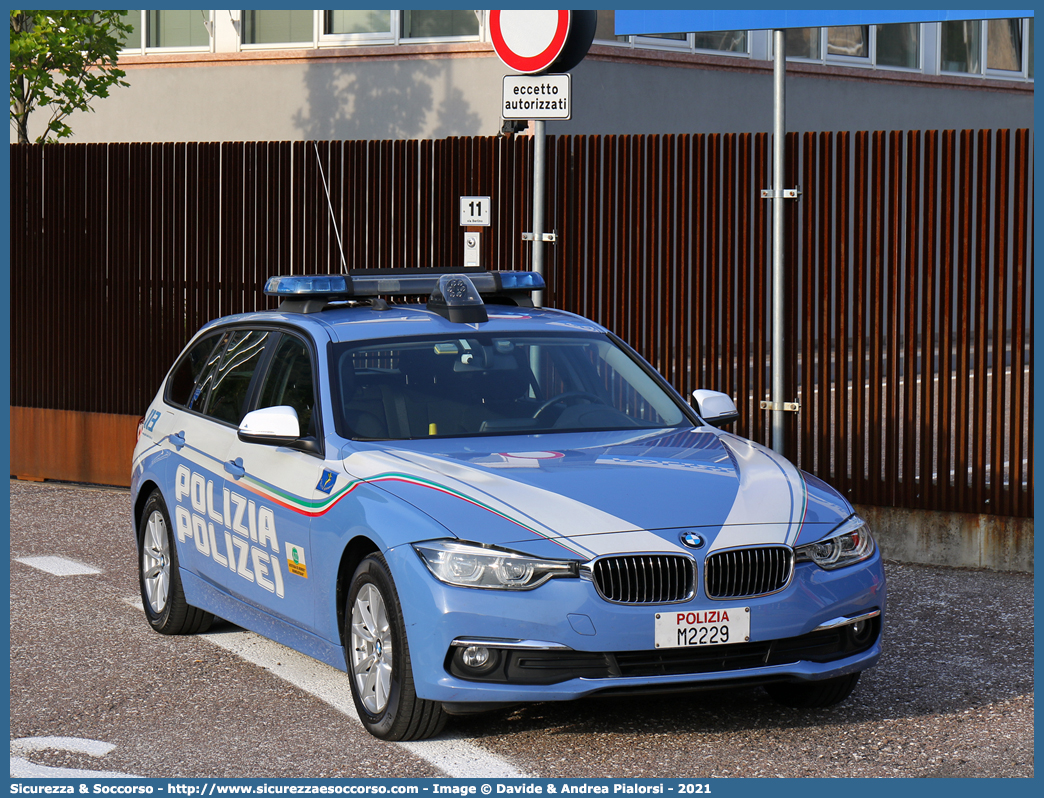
(635, 42)
(669, 45)
(394, 36)
(478, 37)
(688, 45)
(954, 73)
(850, 60)
(984, 70)
(144, 49)
(734, 53)
(312, 43)
(1007, 74)
(922, 48)
(835, 60)
(342, 39)
(865, 62)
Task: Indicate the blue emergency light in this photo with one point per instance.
(457, 294)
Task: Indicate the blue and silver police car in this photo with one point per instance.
(472, 502)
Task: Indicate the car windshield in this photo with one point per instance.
(484, 384)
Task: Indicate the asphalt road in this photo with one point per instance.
(951, 697)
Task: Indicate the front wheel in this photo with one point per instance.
(813, 695)
(159, 578)
(378, 660)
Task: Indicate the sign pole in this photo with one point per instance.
(539, 190)
(779, 132)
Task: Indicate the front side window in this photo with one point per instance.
(289, 382)
(486, 384)
(229, 383)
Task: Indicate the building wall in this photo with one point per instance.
(454, 90)
(622, 97)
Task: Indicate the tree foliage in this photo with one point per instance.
(60, 62)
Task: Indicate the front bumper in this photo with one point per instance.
(562, 641)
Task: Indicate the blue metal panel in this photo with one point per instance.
(690, 21)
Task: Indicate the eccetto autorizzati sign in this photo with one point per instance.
(537, 97)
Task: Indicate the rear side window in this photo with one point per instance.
(200, 358)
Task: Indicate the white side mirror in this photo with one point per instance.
(270, 425)
(715, 407)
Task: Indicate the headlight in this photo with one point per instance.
(468, 565)
(848, 544)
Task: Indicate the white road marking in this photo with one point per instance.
(76, 745)
(22, 768)
(452, 754)
(59, 566)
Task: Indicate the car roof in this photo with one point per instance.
(363, 322)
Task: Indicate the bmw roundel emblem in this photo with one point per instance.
(692, 540)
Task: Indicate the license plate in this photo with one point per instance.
(702, 627)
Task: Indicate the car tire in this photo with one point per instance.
(159, 577)
(378, 659)
(813, 695)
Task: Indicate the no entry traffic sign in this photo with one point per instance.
(529, 41)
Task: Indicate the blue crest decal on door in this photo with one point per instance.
(326, 481)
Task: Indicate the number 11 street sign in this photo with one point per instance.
(474, 211)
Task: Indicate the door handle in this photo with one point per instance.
(235, 468)
(178, 439)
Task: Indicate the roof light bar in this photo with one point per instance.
(396, 282)
(306, 286)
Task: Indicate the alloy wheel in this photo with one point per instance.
(371, 649)
(155, 562)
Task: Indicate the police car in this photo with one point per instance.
(470, 502)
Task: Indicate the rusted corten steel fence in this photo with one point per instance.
(909, 274)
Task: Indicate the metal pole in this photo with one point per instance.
(539, 183)
(779, 132)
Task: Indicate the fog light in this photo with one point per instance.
(475, 661)
(475, 656)
(860, 632)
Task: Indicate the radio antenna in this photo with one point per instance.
(329, 204)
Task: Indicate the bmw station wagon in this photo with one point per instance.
(472, 502)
